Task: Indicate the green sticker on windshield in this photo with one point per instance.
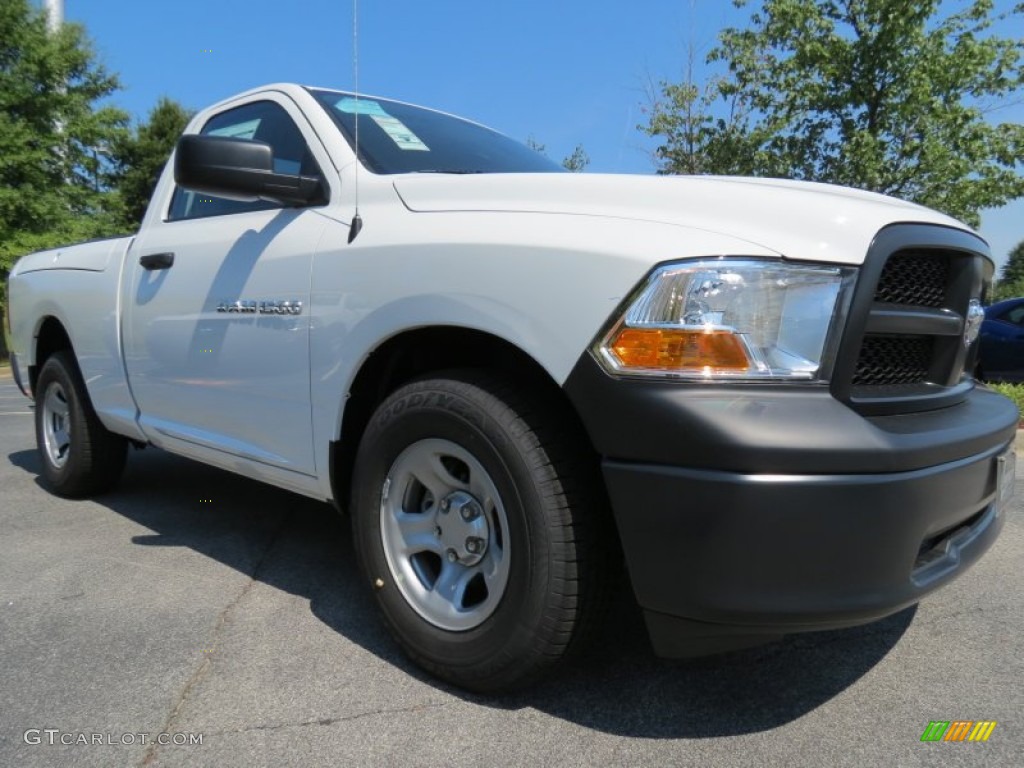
(351, 106)
(399, 133)
(392, 126)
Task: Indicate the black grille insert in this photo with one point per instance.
(916, 278)
(889, 360)
(902, 350)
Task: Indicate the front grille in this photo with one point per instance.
(915, 278)
(889, 360)
(903, 350)
(910, 278)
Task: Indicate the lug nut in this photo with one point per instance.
(452, 557)
(445, 504)
(470, 512)
(474, 545)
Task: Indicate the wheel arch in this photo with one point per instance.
(419, 352)
(51, 337)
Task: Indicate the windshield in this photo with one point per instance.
(400, 138)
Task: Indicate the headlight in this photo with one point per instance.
(730, 319)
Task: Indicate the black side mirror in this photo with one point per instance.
(240, 169)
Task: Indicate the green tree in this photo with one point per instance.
(1011, 278)
(535, 145)
(702, 130)
(140, 156)
(883, 95)
(54, 136)
(576, 162)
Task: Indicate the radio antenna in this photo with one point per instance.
(357, 221)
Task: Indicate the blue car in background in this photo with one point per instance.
(1001, 355)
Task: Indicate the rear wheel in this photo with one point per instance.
(479, 524)
(80, 456)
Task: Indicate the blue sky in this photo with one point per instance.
(565, 72)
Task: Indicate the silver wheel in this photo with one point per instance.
(79, 456)
(468, 500)
(445, 534)
(56, 425)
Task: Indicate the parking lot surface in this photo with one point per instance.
(197, 604)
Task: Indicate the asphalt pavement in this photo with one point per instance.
(197, 604)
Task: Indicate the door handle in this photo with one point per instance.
(157, 260)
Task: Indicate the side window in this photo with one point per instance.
(262, 121)
(1014, 315)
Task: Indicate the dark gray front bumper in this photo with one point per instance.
(763, 555)
(748, 513)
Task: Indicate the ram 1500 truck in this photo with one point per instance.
(755, 393)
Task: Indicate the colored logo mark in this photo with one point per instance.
(958, 730)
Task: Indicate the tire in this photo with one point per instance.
(80, 457)
(480, 522)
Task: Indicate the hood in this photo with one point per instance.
(798, 220)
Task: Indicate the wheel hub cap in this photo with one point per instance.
(56, 425)
(445, 534)
(462, 528)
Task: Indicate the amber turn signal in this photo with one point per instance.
(672, 349)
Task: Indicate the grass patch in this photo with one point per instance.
(1013, 391)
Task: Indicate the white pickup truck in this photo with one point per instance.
(754, 392)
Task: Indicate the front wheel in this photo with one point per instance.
(79, 455)
(478, 521)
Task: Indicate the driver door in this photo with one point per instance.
(217, 315)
